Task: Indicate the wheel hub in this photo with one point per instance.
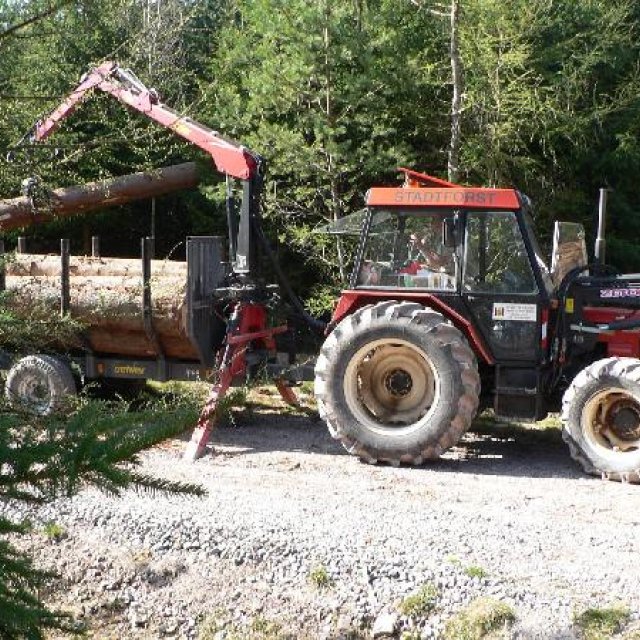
(390, 384)
(35, 392)
(625, 420)
(613, 420)
(399, 383)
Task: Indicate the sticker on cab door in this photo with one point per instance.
(514, 311)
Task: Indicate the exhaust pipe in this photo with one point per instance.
(601, 243)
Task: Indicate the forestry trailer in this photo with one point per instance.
(450, 309)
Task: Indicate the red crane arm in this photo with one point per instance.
(229, 156)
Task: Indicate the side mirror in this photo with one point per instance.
(449, 232)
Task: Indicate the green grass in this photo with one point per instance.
(265, 629)
(260, 628)
(54, 531)
(475, 571)
(480, 618)
(421, 603)
(319, 577)
(601, 624)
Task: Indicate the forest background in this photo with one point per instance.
(335, 94)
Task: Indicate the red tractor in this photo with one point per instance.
(450, 309)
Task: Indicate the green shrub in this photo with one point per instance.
(421, 603)
(601, 624)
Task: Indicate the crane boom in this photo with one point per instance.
(249, 343)
(229, 156)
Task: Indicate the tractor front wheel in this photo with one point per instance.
(601, 419)
(397, 383)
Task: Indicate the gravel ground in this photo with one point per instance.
(295, 532)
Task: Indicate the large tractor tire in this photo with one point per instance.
(39, 384)
(601, 419)
(396, 383)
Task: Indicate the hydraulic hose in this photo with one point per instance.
(314, 323)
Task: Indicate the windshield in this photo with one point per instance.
(405, 248)
(350, 225)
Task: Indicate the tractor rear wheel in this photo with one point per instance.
(39, 384)
(396, 383)
(601, 419)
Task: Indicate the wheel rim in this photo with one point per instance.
(391, 386)
(611, 421)
(35, 393)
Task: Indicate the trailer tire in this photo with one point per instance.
(397, 383)
(39, 384)
(601, 419)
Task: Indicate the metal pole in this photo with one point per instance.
(601, 243)
(231, 220)
(95, 246)
(64, 276)
(152, 247)
(22, 244)
(2, 267)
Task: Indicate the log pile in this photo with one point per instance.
(106, 297)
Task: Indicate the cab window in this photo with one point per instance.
(495, 256)
(406, 249)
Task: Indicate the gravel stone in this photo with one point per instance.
(283, 500)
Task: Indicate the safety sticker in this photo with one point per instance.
(514, 311)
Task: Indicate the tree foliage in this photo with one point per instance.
(335, 94)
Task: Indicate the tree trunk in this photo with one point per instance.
(330, 140)
(457, 73)
(23, 211)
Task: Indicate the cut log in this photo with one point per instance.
(104, 300)
(24, 211)
(29, 264)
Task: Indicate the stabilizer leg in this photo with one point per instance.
(287, 393)
(208, 417)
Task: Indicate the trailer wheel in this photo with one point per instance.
(39, 384)
(601, 419)
(395, 382)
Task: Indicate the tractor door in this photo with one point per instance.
(505, 292)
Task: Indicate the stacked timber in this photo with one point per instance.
(106, 298)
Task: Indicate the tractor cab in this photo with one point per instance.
(433, 235)
(469, 252)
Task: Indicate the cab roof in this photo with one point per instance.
(422, 190)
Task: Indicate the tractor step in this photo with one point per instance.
(517, 393)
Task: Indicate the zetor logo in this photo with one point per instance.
(620, 293)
